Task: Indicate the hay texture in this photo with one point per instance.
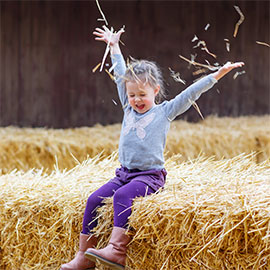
(26, 148)
(224, 137)
(211, 215)
(41, 215)
(41, 148)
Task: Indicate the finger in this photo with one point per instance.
(242, 64)
(100, 30)
(106, 28)
(239, 64)
(98, 34)
(120, 32)
(100, 39)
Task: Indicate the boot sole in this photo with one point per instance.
(112, 265)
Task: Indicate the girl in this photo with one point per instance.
(141, 146)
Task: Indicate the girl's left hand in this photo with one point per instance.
(227, 68)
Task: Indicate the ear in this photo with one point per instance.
(156, 90)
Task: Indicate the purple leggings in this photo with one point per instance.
(124, 188)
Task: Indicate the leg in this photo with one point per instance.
(114, 255)
(80, 262)
(123, 199)
(95, 201)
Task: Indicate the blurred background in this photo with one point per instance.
(48, 52)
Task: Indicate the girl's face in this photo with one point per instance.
(141, 96)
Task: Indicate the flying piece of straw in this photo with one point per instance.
(114, 102)
(96, 67)
(242, 17)
(192, 62)
(102, 14)
(106, 50)
(112, 67)
(111, 76)
(263, 43)
(176, 76)
(194, 39)
(206, 27)
(199, 71)
(196, 107)
(204, 47)
(237, 73)
(227, 44)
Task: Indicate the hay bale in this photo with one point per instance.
(41, 148)
(26, 148)
(224, 137)
(41, 214)
(211, 215)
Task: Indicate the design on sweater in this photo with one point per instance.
(130, 123)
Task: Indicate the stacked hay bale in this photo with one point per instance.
(211, 215)
(41, 214)
(28, 148)
(221, 137)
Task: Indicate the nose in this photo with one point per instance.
(137, 98)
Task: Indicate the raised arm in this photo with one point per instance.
(112, 39)
(184, 100)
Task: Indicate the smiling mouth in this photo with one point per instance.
(140, 107)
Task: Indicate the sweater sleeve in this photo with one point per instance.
(184, 100)
(119, 72)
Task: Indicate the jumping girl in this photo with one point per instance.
(142, 141)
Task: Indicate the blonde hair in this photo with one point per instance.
(147, 72)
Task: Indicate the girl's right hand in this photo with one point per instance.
(108, 36)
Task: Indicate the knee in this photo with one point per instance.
(120, 195)
(93, 201)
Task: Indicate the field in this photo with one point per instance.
(214, 212)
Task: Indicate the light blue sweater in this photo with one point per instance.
(143, 136)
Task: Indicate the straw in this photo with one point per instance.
(27, 148)
(192, 62)
(102, 14)
(96, 67)
(176, 76)
(240, 21)
(263, 43)
(107, 50)
(210, 215)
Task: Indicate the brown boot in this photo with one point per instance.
(80, 262)
(114, 255)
